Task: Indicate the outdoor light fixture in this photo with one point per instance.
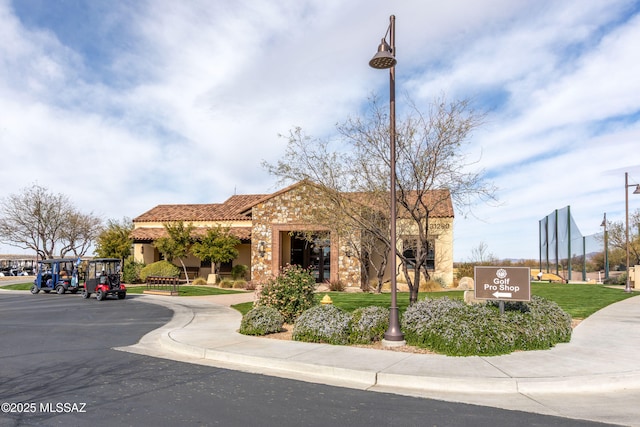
(383, 59)
(261, 249)
(627, 286)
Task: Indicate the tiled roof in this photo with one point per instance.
(231, 210)
(150, 234)
(240, 204)
(238, 208)
(438, 201)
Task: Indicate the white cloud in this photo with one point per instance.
(190, 97)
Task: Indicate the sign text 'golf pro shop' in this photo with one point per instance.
(503, 283)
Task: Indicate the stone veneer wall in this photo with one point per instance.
(286, 211)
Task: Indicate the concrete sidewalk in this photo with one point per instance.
(596, 376)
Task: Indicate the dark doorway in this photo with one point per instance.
(314, 255)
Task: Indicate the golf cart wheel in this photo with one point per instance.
(122, 295)
(60, 289)
(35, 289)
(100, 295)
(85, 294)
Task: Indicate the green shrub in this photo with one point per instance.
(456, 329)
(620, 279)
(541, 323)
(464, 270)
(368, 324)
(291, 293)
(323, 324)
(239, 284)
(239, 271)
(161, 269)
(336, 286)
(261, 321)
(199, 281)
(226, 284)
(131, 271)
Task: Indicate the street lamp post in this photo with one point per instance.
(606, 247)
(627, 287)
(383, 59)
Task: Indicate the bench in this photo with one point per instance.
(157, 285)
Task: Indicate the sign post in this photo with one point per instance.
(502, 283)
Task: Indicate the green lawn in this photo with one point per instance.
(579, 300)
(18, 287)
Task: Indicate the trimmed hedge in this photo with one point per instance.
(160, 268)
(453, 328)
(368, 324)
(324, 324)
(261, 321)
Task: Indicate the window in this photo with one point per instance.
(410, 250)
(225, 267)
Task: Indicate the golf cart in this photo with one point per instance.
(60, 275)
(102, 277)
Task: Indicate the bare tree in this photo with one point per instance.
(46, 223)
(79, 233)
(354, 176)
(480, 255)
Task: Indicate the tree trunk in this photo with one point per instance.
(413, 294)
(184, 267)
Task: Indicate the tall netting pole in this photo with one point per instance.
(568, 243)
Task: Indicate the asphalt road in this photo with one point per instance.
(58, 367)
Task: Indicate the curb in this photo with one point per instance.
(381, 376)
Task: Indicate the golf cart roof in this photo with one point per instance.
(57, 260)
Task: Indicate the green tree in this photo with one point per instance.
(217, 246)
(115, 241)
(177, 244)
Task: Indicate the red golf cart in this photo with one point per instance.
(102, 277)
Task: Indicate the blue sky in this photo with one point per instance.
(123, 105)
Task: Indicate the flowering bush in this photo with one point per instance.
(291, 293)
(543, 322)
(456, 329)
(261, 321)
(323, 323)
(368, 324)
